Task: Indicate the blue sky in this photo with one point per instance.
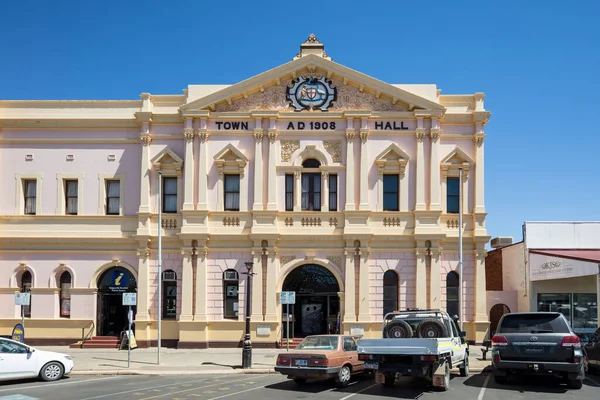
(537, 62)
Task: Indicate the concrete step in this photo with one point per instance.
(95, 345)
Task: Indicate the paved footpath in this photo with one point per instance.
(277, 387)
(186, 362)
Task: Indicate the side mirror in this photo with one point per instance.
(462, 334)
(30, 350)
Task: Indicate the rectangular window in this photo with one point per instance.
(390, 192)
(311, 192)
(170, 299)
(289, 192)
(333, 193)
(30, 191)
(232, 193)
(71, 196)
(452, 195)
(231, 304)
(113, 197)
(169, 194)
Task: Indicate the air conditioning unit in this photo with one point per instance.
(502, 241)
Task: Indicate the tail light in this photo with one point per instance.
(365, 357)
(319, 362)
(497, 357)
(282, 360)
(570, 341)
(499, 341)
(428, 358)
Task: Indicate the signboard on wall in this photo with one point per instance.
(263, 330)
(543, 267)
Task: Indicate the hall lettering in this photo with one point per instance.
(236, 125)
(390, 126)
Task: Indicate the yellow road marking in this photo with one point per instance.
(196, 388)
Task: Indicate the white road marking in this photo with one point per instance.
(593, 380)
(485, 383)
(51, 385)
(136, 390)
(360, 391)
(233, 394)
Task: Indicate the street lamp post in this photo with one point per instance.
(247, 350)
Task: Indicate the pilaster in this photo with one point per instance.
(143, 286)
(297, 190)
(202, 133)
(435, 185)
(364, 166)
(350, 178)
(257, 286)
(145, 140)
(435, 277)
(478, 141)
(421, 277)
(480, 286)
(364, 314)
(349, 284)
(187, 283)
(271, 289)
(420, 195)
(272, 172)
(258, 165)
(325, 191)
(201, 277)
(188, 181)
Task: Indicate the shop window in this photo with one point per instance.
(230, 293)
(580, 309)
(26, 280)
(169, 294)
(232, 193)
(390, 291)
(289, 192)
(113, 197)
(30, 192)
(390, 192)
(71, 192)
(452, 293)
(333, 197)
(169, 194)
(452, 196)
(65, 294)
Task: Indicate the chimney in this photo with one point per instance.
(501, 241)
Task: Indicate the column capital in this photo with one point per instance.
(325, 174)
(273, 135)
(364, 135)
(434, 134)
(143, 253)
(479, 139)
(203, 134)
(145, 140)
(258, 135)
(350, 134)
(297, 174)
(189, 134)
(420, 134)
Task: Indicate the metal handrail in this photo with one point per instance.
(87, 336)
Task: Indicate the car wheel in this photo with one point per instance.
(389, 380)
(300, 381)
(343, 377)
(464, 368)
(574, 383)
(52, 371)
(446, 378)
(500, 379)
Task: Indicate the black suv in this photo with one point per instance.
(537, 343)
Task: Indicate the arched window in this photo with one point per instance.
(390, 291)
(452, 293)
(230, 293)
(26, 280)
(65, 294)
(169, 293)
(311, 186)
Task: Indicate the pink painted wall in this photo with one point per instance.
(450, 263)
(216, 264)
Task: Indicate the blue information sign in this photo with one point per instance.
(18, 333)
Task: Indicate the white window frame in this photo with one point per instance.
(230, 161)
(20, 179)
(102, 178)
(61, 201)
(393, 161)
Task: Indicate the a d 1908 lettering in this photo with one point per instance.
(313, 125)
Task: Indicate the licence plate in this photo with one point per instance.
(371, 365)
(302, 363)
(534, 350)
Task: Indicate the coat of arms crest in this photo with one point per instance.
(311, 93)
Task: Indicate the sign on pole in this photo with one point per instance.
(287, 297)
(22, 299)
(129, 299)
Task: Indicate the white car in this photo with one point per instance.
(21, 361)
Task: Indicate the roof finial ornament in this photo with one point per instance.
(312, 45)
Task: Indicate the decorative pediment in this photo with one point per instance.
(230, 160)
(311, 151)
(167, 161)
(354, 90)
(454, 160)
(392, 160)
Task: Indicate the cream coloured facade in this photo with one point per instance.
(334, 184)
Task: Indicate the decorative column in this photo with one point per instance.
(188, 134)
(297, 190)
(272, 172)
(258, 165)
(435, 185)
(403, 187)
(420, 136)
(479, 169)
(480, 287)
(187, 283)
(202, 173)
(435, 278)
(221, 187)
(349, 284)
(350, 200)
(364, 166)
(364, 314)
(324, 191)
(421, 279)
(143, 280)
(256, 312)
(145, 140)
(201, 277)
(271, 289)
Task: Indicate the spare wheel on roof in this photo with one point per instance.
(397, 329)
(431, 328)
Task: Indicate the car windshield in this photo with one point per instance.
(318, 343)
(533, 323)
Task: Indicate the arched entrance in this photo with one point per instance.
(317, 305)
(496, 312)
(112, 314)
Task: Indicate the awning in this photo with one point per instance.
(558, 264)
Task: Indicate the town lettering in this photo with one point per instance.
(391, 126)
(227, 126)
(312, 125)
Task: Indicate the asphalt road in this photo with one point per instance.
(277, 387)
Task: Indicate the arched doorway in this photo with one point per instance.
(112, 314)
(317, 305)
(496, 312)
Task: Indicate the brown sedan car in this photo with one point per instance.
(321, 356)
